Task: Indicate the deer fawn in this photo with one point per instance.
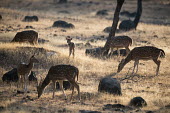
(118, 42)
(143, 53)
(60, 73)
(24, 71)
(71, 46)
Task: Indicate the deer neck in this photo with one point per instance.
(139, 13)
(44, 83)
(128, 59)
(31, 64)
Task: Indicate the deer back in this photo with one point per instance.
(146, 52)
(62, 72)
(121, 41)
(26, 36)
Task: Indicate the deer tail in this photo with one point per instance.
(162, 54)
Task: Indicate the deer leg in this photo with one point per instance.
(73, 52)
(135, 64)
(157, 62)
(19, 81)
(118, 52)
(72, 87)
(77, 87)
(70, 51)
(54, 88)
(61, 87)
(111, 52)
(25, 83)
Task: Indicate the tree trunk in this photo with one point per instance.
(114, 24)
(138, 14)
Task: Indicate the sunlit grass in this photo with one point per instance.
(155, 90)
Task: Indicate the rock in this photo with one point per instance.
(62, 1)
(110, 85)
(40, 40)
(149, 112)
(2, 108)
(87, 111)
(66, 85)
(30, 19)
(29, 27)
(96, 52)
(127, 25)
(107, 29)
(20, 92)
(117, 107)
(138, 102)
(12, 76)
(29, 36)
(64, 12)
(115, 53)
(102, 13)
(63, 24)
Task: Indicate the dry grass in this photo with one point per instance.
(155, 90)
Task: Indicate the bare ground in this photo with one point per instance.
(153, 29)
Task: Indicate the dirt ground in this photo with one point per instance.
(153, 30)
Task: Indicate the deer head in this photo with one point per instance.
(121, 65)
(68, 39)
(39, 89)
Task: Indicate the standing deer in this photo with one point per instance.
(110, 43)
(143, 53)
(71, 46)
(24, 71)
(60, 73)
(118, 42)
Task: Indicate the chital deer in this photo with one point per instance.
(60, 73)
(29, 36)
(119, 42)
(71, 46)
(24, 71)
(143, 53)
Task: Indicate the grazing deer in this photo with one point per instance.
(71, 46)
(29, 36)
(143, 53)
(119, 42)
(24, 71)
(60, 73)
